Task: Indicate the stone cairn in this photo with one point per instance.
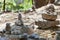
(49, 18)
(19, 31)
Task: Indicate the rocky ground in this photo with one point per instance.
(29, 19)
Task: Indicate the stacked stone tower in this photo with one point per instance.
(49, 18)
(18, 29)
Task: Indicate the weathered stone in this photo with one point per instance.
(49, 17)
(8, 28)
(46, 24)
(19, 17)
(50, 8)
(34, 37)
(29, 30)
(16, 30)
(21, 29)
(19, 21)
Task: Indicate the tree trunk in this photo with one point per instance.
(40, 3)
(52, 1)
(4, 6)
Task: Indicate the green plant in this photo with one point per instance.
(16, 5)
(27, 4)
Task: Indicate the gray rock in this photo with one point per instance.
(3, 38)
(34, 36)
(16, 30)
(8, 27)
(18, 23)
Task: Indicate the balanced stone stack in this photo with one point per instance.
(49, 18)
(19, 26)
(14, 32)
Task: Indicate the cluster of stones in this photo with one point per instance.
(19, 31)
(49, 21)
(49, 18)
